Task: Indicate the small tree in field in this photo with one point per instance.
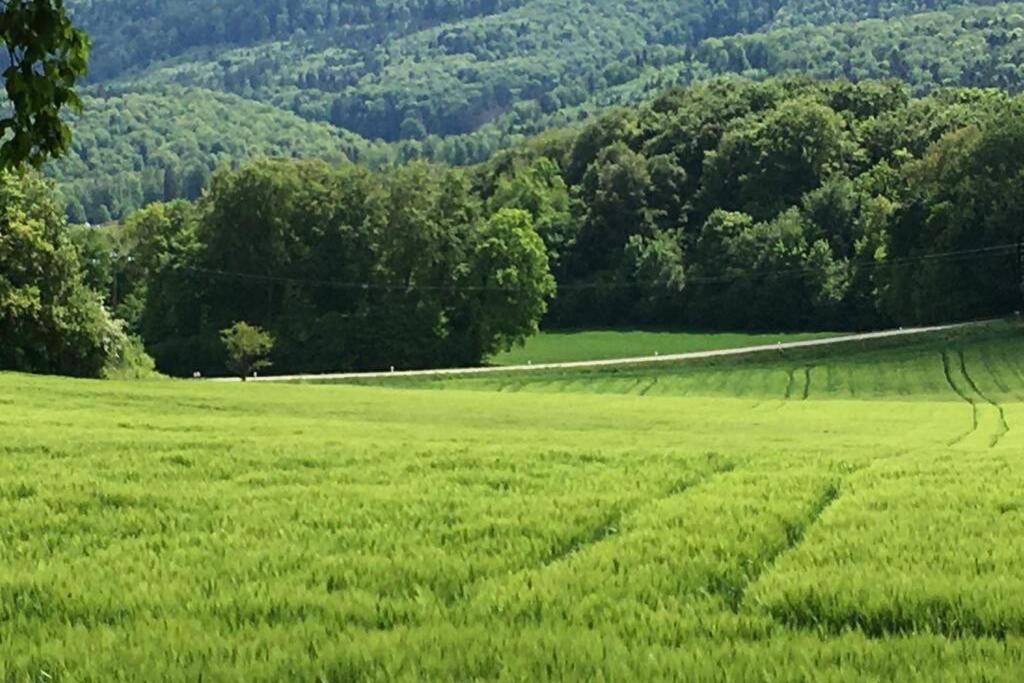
(248, 347)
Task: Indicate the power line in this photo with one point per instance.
(951, 256)
(376, 286)
(1008, 249)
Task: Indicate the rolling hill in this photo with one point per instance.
(864, 526)
(454, 81)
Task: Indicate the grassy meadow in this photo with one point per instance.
(557, 347)
(844, 514)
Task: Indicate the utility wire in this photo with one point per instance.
(952, 256)
(899, 262)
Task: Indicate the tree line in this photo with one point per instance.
(788, 204)
(347, 268)
(734, 204)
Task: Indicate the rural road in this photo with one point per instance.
(668, 358)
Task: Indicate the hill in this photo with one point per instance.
(455, 81)
(580, 345)
(172, 138)
(977, 365)
(736, 205)
(185, 530)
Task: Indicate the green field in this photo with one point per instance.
(852, 513)
(556, 347)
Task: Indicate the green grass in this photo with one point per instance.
(714, 531)
(555, 347)
(930, 366)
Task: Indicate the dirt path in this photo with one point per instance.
(637, 360)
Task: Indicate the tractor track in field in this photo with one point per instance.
(1003, 424)
(637, 383)
(971, 393)
(947, 370)
(610, 527)
(1016, 371)
(795, 534)
(613, 362)
(650, 385)
(612, 523)
(804, 392)
(807, 382)
(992, 373)
(790, 382)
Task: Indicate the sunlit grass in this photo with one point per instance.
(713, 528)
(555, 347)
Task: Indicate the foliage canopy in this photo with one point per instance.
(247, 348)
(46, 56)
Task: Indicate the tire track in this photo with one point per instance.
(947, 369)
(1015, 369)
(646, 389)
(991, 373)
(609, 527)
(795, 533)
(636, 384)
(945, 619)
(807, 382)
(850, 382)
(1003, 424)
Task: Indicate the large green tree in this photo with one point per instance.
(509, 266)
(46, 55)
(765, 163)
(538, 187)
(49, 320)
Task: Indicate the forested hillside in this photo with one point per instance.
(165, 143)
(129, 34)
(786, 204)
(455, 81)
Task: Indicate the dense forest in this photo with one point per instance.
(734, 204)
(166, 144)
(347, 268)
(454, 82)
(789, 204)
(129, 34)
